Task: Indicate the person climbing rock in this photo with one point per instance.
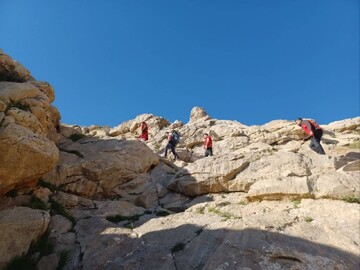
(172, 138)
(314, 132)
(208, 145)
(144, 132)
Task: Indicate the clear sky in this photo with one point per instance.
(248, 60)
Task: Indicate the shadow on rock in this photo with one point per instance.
(190, 246)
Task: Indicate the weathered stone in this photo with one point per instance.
(108, 208)
(103, 165)
(42, 193)
(49, 262)
(277, 189)
(12, 70)
(26, 156)
(208, 175)
(338, 185)
(19, 227)
(198, 113)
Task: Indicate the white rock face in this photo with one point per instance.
(93, 166)
(225, 235)
(198, 113)
(263, 201)
(19, 227)
(28, 127)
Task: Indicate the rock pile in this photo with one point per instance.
(98, 198)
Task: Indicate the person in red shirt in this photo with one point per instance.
(208, 145)
(144, 132)
(314, 132)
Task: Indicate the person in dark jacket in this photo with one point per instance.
(208, 145)
(314, 132)
(171, 145)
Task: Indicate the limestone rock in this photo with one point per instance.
(42, 193)
(105, 209)
(208, 175)
(98, 166)
(19, 227)
(28, 129)
(49, 262)
(26, 156)
(338, 185)
(277, 189)
(347, 125)
(130, 129)
(224, 234)
(198, 113)
(12, 70)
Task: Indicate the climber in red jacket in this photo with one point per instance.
(314, 131)
(208, 145)
(144, 132)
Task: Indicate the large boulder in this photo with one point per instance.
(198, 113)
(208, 175)
(28, 127)
(19, 227)
(26, 131)
(13, 71)
(91, 167)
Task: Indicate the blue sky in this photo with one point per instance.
(248, 60)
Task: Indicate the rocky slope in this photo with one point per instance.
(97, 198)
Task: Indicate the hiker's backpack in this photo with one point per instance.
(314, 124)
(176, 137)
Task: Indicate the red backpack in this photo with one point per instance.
(314, 124)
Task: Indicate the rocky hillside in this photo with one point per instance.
(95, 197)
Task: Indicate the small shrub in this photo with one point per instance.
(162, 213)
(43, 246)
(62, 260)
(21, 263)
(296, 203)
(57, 208)
(200, 210)
(147, 212)
(119, 218)
(76, 137)
(243, 203)
(308, 219)
(354, 145)
(20, 105)
(178, 247)
(352, 199)
(48, 185)
(12, 193)
(224, 215)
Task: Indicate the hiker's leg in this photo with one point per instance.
(206, 152)
(167, 149)
(174, 152)
(312, 144)
(316, 146)
(210, 151)
(317, 136)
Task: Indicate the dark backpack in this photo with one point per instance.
(176, 137)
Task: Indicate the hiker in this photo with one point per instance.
(144, 132)
(314, 131)
(208, 145)
(173, 138)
